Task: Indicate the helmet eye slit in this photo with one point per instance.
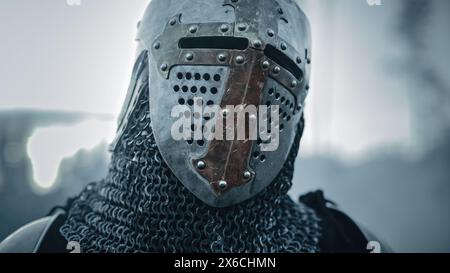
(284, 61)
(213, 42)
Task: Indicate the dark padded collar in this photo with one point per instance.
(339, 233)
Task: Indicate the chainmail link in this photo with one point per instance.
(142, 207)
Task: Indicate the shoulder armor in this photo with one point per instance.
(29, 238)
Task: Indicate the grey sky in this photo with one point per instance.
(67, 57)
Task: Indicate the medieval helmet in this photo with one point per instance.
(224, 53)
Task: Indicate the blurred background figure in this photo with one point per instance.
(377, 138)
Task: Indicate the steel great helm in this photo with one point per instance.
(228, 53)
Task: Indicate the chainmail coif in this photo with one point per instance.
(142, 207)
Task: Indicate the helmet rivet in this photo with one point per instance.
(257, 43)
(265, 64)
(164, 67)
(299, 60)
(270, 32)
(157, 45)
(189, 57)
(201, 165)
(276, 69)
(193, 29)
(283, 46)
(294, 84)
(247, 175)
(225, 113)
(242, 27)
(222, 57)
(173, 22)
(240, 59)
(223, 184)
(224, 28)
